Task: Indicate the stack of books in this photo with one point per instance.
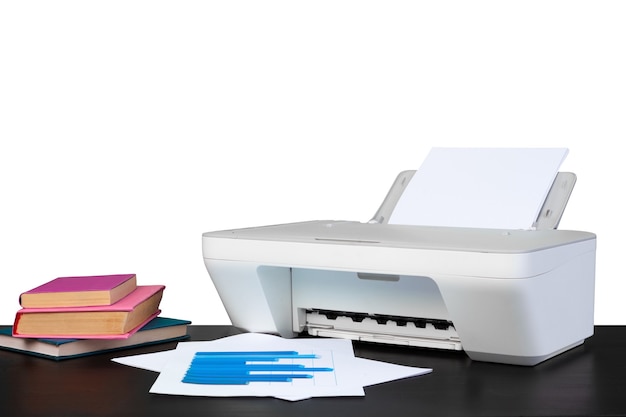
(75, 316)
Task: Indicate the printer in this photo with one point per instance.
(506, 296)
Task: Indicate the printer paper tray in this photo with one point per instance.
(392, 340)
(368, 330)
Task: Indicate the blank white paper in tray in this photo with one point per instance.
(501, 188)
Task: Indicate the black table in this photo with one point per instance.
(589, 380)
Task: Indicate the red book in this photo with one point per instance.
(115, 321)
(84, 291)
(158, 330)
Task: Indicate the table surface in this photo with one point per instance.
(589, 380)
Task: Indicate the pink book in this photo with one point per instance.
(93, 290)
(115, 321)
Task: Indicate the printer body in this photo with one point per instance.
(506, 296)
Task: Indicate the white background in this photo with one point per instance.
(129, 128)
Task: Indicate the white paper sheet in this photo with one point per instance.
(349, 376)
(501, 188)
(154, 362)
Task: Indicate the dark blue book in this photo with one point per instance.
(158, 330)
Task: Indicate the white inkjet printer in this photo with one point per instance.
(508, 296)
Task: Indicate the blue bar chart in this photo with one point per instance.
(243, 368)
